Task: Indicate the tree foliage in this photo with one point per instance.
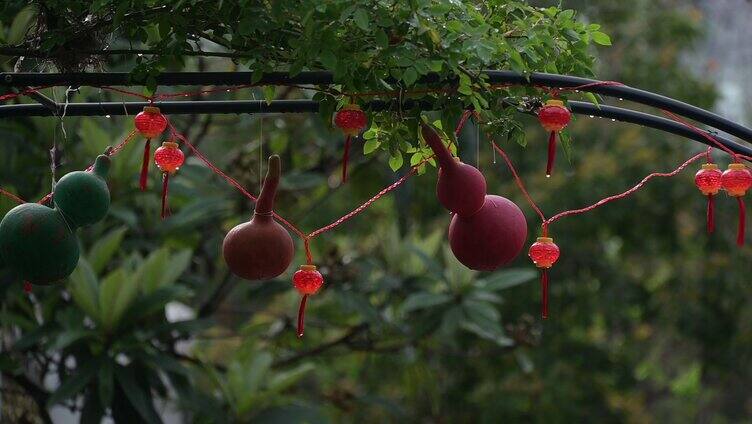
(646, 324)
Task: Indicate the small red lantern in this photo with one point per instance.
(169, 158)
(708, 180)
(736, 180)
(307, 280)
(150, 123)
(554, 117)
(544, 253)
(351, 120)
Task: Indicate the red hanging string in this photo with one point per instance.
(165, 186)
(301, 315)
(345, 156)
(519, 182)
(742, 221)
(544, 293)
(551, 153)
(10, 96)
(145, 165)
(710, 215)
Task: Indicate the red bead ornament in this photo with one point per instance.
(307, 280)
(169, 158)
(351, 120)
(150, 123)
(544, 253)
(708, 180)
(554, 117)
(736, 180)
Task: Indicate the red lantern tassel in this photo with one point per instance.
(742, 222)
(301, 315)
(551, 153)
(145, 165)
(345, 157)
(711, 214)
(165, 186)
(544, 293)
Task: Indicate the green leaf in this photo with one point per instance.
(103, 250)
(361, 19)
(501, 280)
(75, 383)
(137, 396)
(115, 295)
(395, 162)
(281, 381)
(409, 76)
(382, 40)
(417, 301)
(106, 383)
(371, 145)
(84, 289)
(68, 337)
(601, 38)
(269, 93)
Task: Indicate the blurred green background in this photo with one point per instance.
(650, 318)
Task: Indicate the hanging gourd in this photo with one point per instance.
(544, 253)
(169, 158)
(308, 281)
(38, 242)
(708, 180)
(351, 120)
(736, 180)
(150, 123)
(486, 231)
(554, 117)
(260, 249)
(460, 188)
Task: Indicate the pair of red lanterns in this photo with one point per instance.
(736, 181)
(168, 157)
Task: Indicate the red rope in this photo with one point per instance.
(705, 135)
(12, 196)
(626, 193)
(518, 181)
(10, 96)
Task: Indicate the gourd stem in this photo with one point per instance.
(446, 161)
(265, 202)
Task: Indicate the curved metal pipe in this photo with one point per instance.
(310, 106)
(326, 78)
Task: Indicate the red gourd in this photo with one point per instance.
(260, 249)
(461, 188)
(490, 238)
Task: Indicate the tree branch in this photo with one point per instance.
(343, 339)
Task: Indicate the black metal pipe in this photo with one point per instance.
(309, 106)
(326, 78)
(655, 122)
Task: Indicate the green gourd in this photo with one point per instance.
(38, 242)
(82, 196)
